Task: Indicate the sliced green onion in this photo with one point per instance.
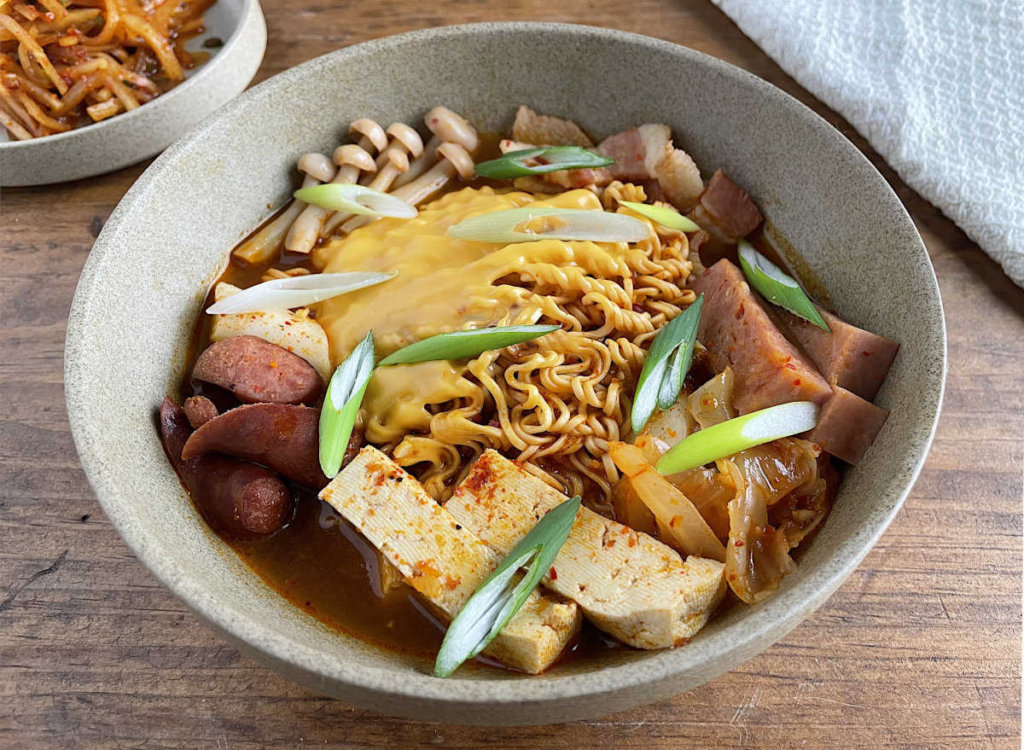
(541, 160)
(566, 224)
(738, 434)
(776, 286)
(672, 381)
(341, 404)
(296, 291)
(661, 378)
(465, 344)
(667, 217)
(355, 199)
(499, 597)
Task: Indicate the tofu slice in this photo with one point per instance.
(627, 583)
(295, 331)
(442, 559)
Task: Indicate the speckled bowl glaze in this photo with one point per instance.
(133, 136)
(150, 268)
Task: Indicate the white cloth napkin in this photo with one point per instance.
(936, 87)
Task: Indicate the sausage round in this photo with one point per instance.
(282, 437)
(257, 371)
(238, 500)
(199, 410)
(241, 500)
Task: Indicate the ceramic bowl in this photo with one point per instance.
(133, 136)
(150, 268)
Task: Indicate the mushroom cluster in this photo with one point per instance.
(394, 160)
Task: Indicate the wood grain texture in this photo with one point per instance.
(920, 648)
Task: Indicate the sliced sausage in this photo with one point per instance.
(199, 410)
(238, 500)
(256, 370)
(846, 355)
(355, 442)
(738, 332)
(245, 494)
(282, 437)
(847, 425)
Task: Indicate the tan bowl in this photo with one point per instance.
(133, 136)
(168, 239)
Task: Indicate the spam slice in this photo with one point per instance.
(726, 213)
(739, 333)
(846, 355)
(442, 559)
(627, 583)
(847, 425)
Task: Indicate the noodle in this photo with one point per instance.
(553, 404)
(64, 66)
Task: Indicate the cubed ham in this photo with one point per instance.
(725, 210)
(847, 425)
(739, 333)
(846, 355)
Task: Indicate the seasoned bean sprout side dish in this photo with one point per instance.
(518, 399)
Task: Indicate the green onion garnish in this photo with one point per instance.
(776, 286)
(296, 291)
(541, 160)
(535, 223)
(465, 344)
(672, 381)
(499, 597)
(667, 217)
(355, 199)
(738, 434)
(665, 365)
(341, 404)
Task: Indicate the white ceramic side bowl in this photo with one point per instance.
(149, 270)
(130, 137)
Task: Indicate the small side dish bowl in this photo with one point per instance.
(150, 268)
(130, 137)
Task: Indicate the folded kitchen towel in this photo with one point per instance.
(936, 87)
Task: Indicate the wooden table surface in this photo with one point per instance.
(920, 647)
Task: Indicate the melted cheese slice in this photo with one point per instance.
(443, 284)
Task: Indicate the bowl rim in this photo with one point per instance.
(125, 118)
(768, 623)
